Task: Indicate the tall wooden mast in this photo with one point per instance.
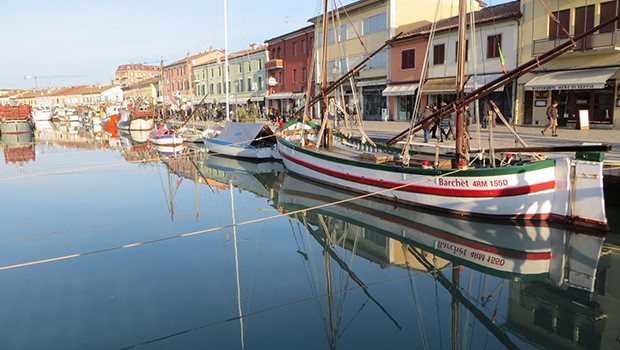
(460, 82)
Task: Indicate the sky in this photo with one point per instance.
(49, 43)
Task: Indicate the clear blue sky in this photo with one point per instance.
(73, 42)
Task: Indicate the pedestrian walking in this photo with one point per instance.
(552, 119)
(428, 110)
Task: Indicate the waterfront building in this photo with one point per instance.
(247, 81)
(72, 96)
(127, 74)
(375, 21)
(496, 28)
(583, 81)
(288, 70)
(178, 87)
(145, 91)
(36, 98)
(93, 96)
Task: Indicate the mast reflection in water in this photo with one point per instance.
(90, 258)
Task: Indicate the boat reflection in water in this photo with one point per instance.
(552, 272)
(257, 177)
(18, 148)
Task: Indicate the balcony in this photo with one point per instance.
(274, 64)
(598, 41)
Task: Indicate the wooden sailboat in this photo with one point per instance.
(559, 188)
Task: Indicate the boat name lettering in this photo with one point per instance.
(453, 183)
(455, 249)
(472, 183)
(490, 259)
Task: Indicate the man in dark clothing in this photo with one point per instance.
(552, 117)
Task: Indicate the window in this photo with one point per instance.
(260, 83)
(374, 24)
(249, 66)
(493, 45)
(584, 19)
(219, 88)
(279, 52)
(280, 80)
(343, 32)
(608, 11)
(378, 61)
(407, 59)
(295, 48)
(273, 53)
(211, 91)
(240, 66)
(456, 49)
(555, 30)
(304, 74)
(260, 64)
(304, 48)
(294, 75)
(330, 36)
(343, 65)
(439, 54)
(250, 87)
(241, 87)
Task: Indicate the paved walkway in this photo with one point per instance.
(385, 130)
(502, 137)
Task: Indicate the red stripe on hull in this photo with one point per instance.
(548, 185)
(507, 252)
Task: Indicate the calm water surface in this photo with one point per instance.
(107, 243)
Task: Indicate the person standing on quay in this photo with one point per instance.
(552, 118)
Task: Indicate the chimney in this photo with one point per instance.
(253, 46)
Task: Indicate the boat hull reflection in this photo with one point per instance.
(522, 250)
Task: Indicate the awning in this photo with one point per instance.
(298, 95)
(280, 96)
(400, 90)
(235, 100)
(257, 99)
(571, 80)
(372, 82)
(439, 85)
(475, 82)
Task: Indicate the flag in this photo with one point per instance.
(179, 182)
(501, 58)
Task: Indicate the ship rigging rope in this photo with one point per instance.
(213, 229)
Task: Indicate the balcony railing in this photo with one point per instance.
(597, 41)
(274, 64)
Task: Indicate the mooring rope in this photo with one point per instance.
(212, 229)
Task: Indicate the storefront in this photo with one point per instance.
(401, 100)
(439, 90)
(280, 102)
(591, 90)
(374, 105)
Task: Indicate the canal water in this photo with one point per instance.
(109, 243)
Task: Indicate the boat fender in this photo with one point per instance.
(426, 165)
(462, 165)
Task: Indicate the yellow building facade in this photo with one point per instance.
(583, 80)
